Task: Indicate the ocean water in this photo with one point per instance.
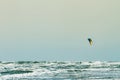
(43, 70)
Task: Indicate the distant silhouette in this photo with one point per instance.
(90, 41)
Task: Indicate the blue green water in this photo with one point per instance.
(42, 70)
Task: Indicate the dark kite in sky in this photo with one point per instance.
(90, 41)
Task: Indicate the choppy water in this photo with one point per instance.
(29, 70)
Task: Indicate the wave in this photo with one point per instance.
(59, 70)
(15, 72)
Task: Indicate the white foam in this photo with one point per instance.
(51, 69)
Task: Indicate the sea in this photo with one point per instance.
(60, 70)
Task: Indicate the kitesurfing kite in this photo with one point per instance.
(90, 41)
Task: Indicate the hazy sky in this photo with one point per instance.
(58, 30)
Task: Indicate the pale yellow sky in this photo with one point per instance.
(74, 16)
(60, 23)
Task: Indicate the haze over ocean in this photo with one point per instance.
(57, 30)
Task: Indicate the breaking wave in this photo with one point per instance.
(37, 70)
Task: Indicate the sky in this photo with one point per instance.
(57, 30)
